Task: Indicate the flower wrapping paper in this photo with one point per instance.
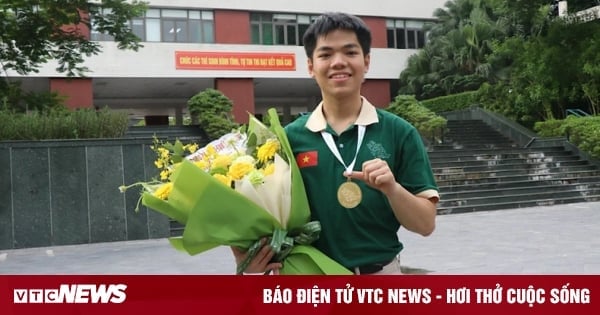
(216, 215)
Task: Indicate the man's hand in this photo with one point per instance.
(415, 213)
(377, 174)
(260, 263)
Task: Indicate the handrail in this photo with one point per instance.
(530, 142)
(576, 112)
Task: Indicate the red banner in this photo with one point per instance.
(266, 61)
(409, 294)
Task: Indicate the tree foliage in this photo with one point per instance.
(455, 58)
(550, 74)
(524, 62)
(33, 32)
(211, 109)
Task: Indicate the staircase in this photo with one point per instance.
(477, 169)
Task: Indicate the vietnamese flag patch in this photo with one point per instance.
(306, 159)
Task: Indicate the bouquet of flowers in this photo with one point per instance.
(235, 191)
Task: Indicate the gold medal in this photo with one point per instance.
(349, 194)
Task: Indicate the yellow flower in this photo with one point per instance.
(163, 153)
(164, 174)
(267, 150)
(163, 191)
(191, 147)
(210, 152)
(203, 164)
(240, 167)
(269, 169)
(222, 161)
(159, 164)
(223, 179)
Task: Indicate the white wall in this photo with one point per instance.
(157, 60)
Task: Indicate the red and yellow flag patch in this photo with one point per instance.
(307, 159)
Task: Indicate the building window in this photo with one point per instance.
(95, 34)
(405, 34)
(278, 28)
(169, 25)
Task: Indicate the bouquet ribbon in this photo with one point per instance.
(283, 244)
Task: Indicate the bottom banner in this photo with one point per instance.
(415, 294)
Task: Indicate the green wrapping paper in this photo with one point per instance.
(217, 215)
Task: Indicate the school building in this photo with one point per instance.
(249, 50)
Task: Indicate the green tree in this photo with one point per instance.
(455, 57)
(211, 109)
(550, 73)
(524, 18)
(590, 76)
(33, 32)
(526, 64)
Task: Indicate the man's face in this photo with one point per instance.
(338, 64)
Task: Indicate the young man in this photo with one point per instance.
(366, 171)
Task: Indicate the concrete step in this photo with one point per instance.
(477, 168)
(473, 142)
(520, 190)
(500, 156)
(464, 123)
(525, 167)
(434, 152)
(475, 179)
(490, 172)
(516, 204)
(476, 132)
(480, 134)
(556, 161)
(476, 146)
(517, 198)
(517, 184)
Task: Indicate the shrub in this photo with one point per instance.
(62, 124)
(583, 132)
(450, 102)
(550, 128)
(212, 110)
(427, 122)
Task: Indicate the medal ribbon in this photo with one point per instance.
(333, 148)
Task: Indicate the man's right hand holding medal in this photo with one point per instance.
(415, 213)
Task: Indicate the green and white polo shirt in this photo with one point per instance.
(367, 233)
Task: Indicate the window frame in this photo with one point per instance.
(205, 33)
(412, 37)
(266, 23)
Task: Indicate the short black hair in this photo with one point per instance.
(331, 21)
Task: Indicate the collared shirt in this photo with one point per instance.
(367, 233)
(317, 122)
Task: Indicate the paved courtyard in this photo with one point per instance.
(561, 239)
